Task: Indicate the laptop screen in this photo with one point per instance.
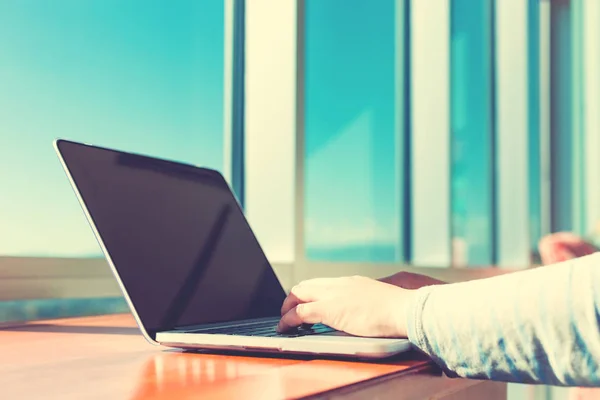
(177, 238)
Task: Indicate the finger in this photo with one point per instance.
(290, 302)
(305, 292)
(308, 313)
(552, 252)
(576, 244)
(583, 248)
(564, 255)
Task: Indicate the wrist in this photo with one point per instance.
(414, 314)
(404, 310)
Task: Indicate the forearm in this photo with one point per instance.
(537, 326)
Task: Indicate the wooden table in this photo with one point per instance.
(107, 358)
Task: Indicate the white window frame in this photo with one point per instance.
(544, 96)
(591, 117)
(512, 139)
(431, 232)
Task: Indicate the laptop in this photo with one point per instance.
(192, 271)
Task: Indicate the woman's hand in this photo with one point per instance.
(356, 305)
(563, 246)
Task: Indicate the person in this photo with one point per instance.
(537, 326)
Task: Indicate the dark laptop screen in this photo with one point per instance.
(176, 236)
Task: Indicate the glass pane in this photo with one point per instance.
(351, 155)
(562, 160)
(471, 122)
(136, 75)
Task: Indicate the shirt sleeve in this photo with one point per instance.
(534, 326)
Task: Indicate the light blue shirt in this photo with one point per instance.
(536, 326)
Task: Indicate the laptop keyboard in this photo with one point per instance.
(266, 329)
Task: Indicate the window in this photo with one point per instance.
(140, 76)
(362, 138)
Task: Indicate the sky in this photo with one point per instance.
(138, 75)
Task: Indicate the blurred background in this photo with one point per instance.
(438, 134)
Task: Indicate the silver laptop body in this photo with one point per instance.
(186, 259)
